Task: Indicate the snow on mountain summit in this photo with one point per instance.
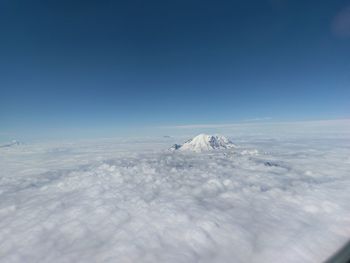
(10, 144)
(205, 142)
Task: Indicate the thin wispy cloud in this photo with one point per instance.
(256, 121)
(217, 125)
(199, 126)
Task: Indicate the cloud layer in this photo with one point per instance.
(270, 200)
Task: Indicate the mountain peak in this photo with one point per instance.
(10, 144)
(205, 142)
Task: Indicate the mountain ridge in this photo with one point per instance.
(204, 142)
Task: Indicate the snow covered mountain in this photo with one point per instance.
(204, 142)
(10, 144)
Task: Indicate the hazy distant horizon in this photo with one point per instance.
(268, 127)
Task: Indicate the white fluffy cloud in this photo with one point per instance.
(270, 200)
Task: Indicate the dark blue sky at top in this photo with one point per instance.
(108, 64)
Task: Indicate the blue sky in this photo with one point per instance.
(99, 68)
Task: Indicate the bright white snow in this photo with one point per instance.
(204, 142)
(270, 200)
